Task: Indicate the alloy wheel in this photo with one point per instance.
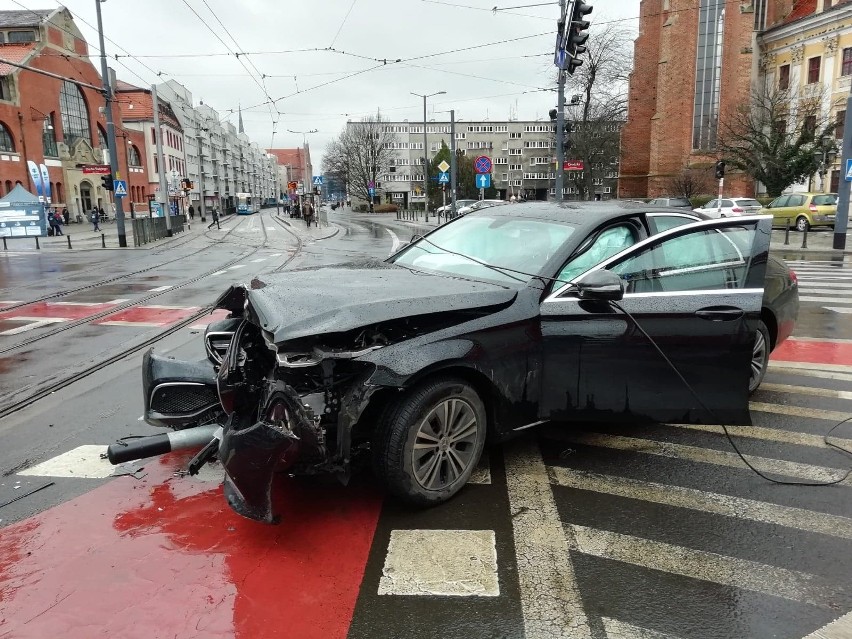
(802, 224)
(758, 359)
(444, 444)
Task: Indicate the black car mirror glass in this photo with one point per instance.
(600, 285)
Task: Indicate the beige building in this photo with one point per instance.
(812, 56)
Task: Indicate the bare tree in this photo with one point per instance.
(689, 183)
(772, 137)
(598, 105)
(360, 154)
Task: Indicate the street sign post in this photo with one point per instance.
(483, 180)
(443, 177)
(119, 188)
(482, 164)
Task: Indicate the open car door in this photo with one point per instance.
(696, 290)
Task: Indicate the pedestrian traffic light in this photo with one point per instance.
(577, 35)
(553, 113)
(107, 180)
(720, 169)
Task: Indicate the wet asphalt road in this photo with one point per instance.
(631, 532)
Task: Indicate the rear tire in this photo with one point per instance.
(802, 224)
(427, 443)
(759, 357)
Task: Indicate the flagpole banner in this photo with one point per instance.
(45, 178)
(34, 174)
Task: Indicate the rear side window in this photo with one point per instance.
(749, 203)
(829, 199)
(780, 201)
(727, 203)
(679, 201)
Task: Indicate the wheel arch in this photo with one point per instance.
(771, 322)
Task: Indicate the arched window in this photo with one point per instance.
(48, 138)
(75, 113)
(8, 186)
(7, 143)
(102, 138)
(60, 195)
(133, 158)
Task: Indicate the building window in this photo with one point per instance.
(48, 138)
(501, 160)
(515, 136)
(813, 69)
(6, 141)
(809, 127)
(846, 66)
(21, 36)
(759, 14)
(5, 88)
(133, 158)
(708, 67)
(75, 114)
(839, 122)
(784, 77)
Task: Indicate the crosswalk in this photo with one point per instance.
(827, 283)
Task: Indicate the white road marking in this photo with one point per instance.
(780, 369)
(799, 411)
(171, 308)
(395, 239)
(128, 323)
(765, 434)
(159, 289)
(118, 301)
(616, 629)
(260, 259)
(806, 390)
(703, 455)
(814, 298)
(271, 228)
(219, 273)
(707, 566)
(79, 303)
(825, 291)
(84, 462)
(840, 628)
(703, 501)
(276, 254)
(550, 598)
(236, 266)
(461, 563)
(780, 363)
(9, 303)
(837, 309)
(34, 322)
(824, 340)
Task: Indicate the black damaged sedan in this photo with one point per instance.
(492, 323)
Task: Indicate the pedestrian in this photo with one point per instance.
(57, 217)
(101, 214)
(191, 212)
(95, 218)
(66, 216)
(309, 214)
(215, 215)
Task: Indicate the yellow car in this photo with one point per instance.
(804, 210)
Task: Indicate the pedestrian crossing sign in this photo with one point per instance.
(849, 170)
(119, 188)
(317, 180)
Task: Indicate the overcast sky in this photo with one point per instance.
(509, 74)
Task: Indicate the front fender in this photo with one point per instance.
(398, 365)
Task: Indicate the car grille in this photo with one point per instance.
(182, 399)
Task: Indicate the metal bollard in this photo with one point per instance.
(805, 238)
(4, 243)
(103, 240)
(37, 246)
(69, 240)
(787, 233)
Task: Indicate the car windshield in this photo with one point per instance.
(677, 201)
(479, 245)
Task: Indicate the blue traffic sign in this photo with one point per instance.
(317, 180)
(483, 180)
(849, 170)
(119, 188)
(371, 191)
(443, 177)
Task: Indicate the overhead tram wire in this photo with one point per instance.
(345, 18)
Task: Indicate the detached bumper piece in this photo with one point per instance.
(179, 394)
(252, 455)
(143, 447)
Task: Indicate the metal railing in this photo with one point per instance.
(151, 229)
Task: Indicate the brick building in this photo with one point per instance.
(294, 165)
(694, 65)
(56, 121)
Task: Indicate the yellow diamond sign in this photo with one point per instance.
(444, 166)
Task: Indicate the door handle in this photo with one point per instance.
(720, 313)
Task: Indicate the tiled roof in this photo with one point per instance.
(14, 53)
(121, 85)
(801, 9)
(16, 19)
(293, 157)
(143, 106)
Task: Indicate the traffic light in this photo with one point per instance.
(106, 180)
(720, 169)
(577, 35)
(553, 113)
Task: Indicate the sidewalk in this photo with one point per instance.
(819, 240)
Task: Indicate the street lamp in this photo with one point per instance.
(824, 154)
(425, 154)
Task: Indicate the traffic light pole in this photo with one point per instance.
(113, 148)
(841, 222)
(161, 163)
(453, 171)
(560, 138)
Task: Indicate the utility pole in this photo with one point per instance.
(200, 174)
(113, 148)
(161, 162)
(453, 170)
(560, 136)
(425, 154)
(841, 222)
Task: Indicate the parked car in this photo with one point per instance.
(494, 322)
(730, 207)
(674, 202)
(480, 204)
(803, 210)
(446, 210)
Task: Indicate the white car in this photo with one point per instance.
(480, 204)
(730, 207)
(446, 210)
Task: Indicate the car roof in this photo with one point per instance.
(574, 213)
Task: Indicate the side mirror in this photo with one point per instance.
(600, 285)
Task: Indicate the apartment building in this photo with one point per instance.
(523, 155)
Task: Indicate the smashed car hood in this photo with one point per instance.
(334, 299)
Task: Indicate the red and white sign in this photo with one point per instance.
(573, 165)
(482, 164)
(96, 169)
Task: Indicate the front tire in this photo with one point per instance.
(759, 357)
(427, 444)
(802, 224)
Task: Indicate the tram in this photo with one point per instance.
(246, 205)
